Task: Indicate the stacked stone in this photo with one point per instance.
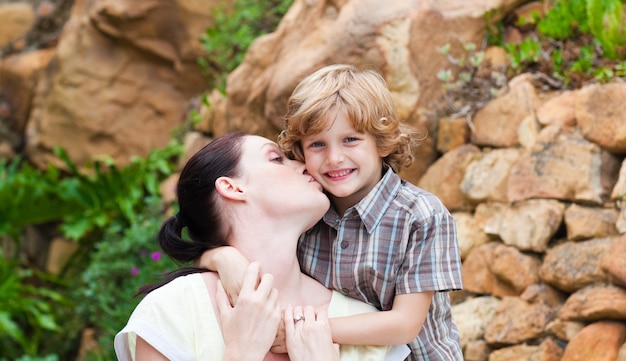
(536, 182)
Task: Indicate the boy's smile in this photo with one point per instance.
(339, 174)
(346, 162)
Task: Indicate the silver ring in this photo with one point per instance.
(299, 318)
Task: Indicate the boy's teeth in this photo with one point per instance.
(338, 174)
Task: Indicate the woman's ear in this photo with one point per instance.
(228, 188)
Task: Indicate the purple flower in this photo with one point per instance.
(156, 256)
(134, 271)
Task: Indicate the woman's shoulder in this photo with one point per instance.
(178, 302)
(179, 288)
(171, 318)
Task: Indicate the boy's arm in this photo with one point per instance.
(230, 264)
(400, 325)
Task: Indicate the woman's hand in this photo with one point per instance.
(308, 336)
(279, 345)
(250, 326)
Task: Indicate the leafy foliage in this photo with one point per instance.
(25, 309)
(607, 22)
(28, 196)
(83, 203)
(51, 357)
(227, 41)
(126, 258)
(470, 89)
(604, 19)
(112, 213)
(575, 42)
(526, 52)
(566, 19)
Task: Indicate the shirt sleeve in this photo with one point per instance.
(154, 320)
(177, 320)
(432, 261)
(341, 305)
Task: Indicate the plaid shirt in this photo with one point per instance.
(398, 239)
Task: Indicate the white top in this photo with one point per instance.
(179, 321)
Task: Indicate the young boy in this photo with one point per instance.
(384, 240)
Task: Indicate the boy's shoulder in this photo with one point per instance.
(411, 196)
(409, 189)
(398, 192)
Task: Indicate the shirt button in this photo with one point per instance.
(344, 244)
(345, 291)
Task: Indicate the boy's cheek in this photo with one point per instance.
(310, 161)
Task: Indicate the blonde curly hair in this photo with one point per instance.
(363, 96)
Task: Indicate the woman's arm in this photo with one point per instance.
(145, 352)
(400, 325)
(230, 264)
(248, 328)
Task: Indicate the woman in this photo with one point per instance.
(241, 191)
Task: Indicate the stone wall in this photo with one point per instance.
(536, 183)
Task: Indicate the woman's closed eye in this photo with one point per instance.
(278, 159)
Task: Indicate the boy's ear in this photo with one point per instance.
(228, 188)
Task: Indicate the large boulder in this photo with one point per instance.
(120, 80)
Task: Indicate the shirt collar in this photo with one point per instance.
(373, 206)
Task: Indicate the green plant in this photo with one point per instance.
(575, 42)
(585, 62)
(603, 75)
(126, 258)
(604, 19)
(26, 309)
(226, 42)
(81, 202)
(558, 63)
(527, 52)
(565, 19)
(467, 89)
(29, 196)
(620, 69)
(495, 29)
(86, 207)
(607, 22)
(51, 357)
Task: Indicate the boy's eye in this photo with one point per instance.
(316, 144)
(350, 139)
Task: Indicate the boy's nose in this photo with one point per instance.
(334, 156)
